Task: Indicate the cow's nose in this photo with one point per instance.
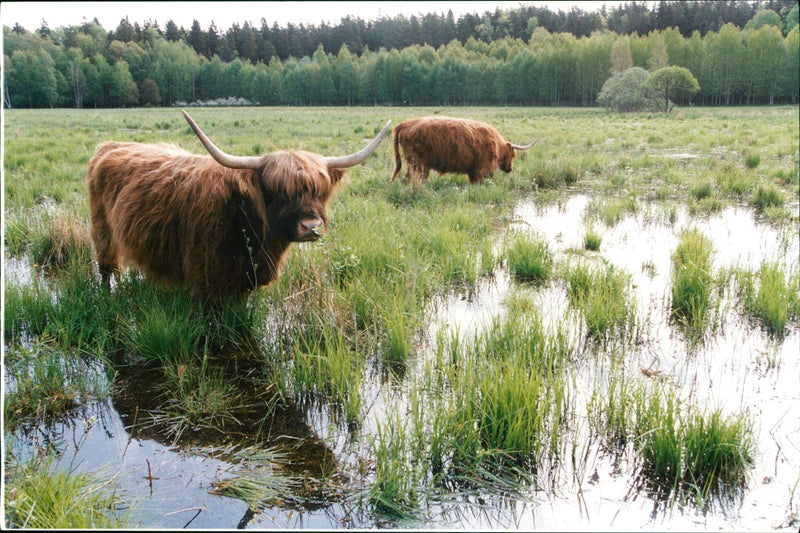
(311, 228)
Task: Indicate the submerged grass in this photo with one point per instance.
(261, 480)
(43, 383)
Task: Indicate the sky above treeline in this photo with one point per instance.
(224, 14)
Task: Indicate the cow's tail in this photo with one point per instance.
(397, 162)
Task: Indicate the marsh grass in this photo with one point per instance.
(612, 211)
(399, 332)
(27, 310)
(197, 395)
(488, 412)
(324, 365)
(70, 317)
(515, 392)
(684, 450)
(752, 160)
(166, 332)
(689, 451)
(701, 191)
(555, 174)
(498, 418)
(767, 196)
(397, 489)
(612, 408)
(592, 239)
(733, 181)
(529, 258)
(770, 295)
(692, 280)
(602, 296)
(44, 383)
(40, 496)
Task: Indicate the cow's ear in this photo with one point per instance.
(336, 174)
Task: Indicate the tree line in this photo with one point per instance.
(746, 53)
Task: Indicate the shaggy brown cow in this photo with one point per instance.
(221, 224)
(455, 145)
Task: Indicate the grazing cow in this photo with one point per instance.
(220, 224)
(452, 145)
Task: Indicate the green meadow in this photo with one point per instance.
(623, 355)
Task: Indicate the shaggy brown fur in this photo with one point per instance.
(454, 145)
(186, 219)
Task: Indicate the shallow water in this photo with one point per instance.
(738, 368)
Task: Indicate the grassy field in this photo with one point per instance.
(416, 420)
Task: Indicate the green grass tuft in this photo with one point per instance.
(529, 258)
(692, 280)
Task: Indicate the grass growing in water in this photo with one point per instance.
(529, 258)
(691, 451)
(50, 236)
(261, 480)
(601, 294)
(44, 382)
(324, 365)
(769, 297)
(684, 450)
(388, 251)
(767, 196)
(592, 239)
(692, 280)
(39, 497)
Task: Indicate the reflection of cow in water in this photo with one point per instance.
(452, 145)
(220, 226)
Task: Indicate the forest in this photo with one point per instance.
(741, 53)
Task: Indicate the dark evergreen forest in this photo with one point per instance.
(740, 53)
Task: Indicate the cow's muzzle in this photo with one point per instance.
(310, 229)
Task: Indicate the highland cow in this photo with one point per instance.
(219, 224)
(454, 145)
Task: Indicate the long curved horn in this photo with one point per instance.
(226, 160)
(352, 160)
(523, 147)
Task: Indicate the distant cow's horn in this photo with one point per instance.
(226, 160)
(523, 147)
(356, 158)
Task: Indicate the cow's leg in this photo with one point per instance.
(479, 172)
(411, 166)
(475, 176)
(106, 253)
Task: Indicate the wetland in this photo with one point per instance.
(605, 338)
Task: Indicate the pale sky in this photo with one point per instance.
(57, 14)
